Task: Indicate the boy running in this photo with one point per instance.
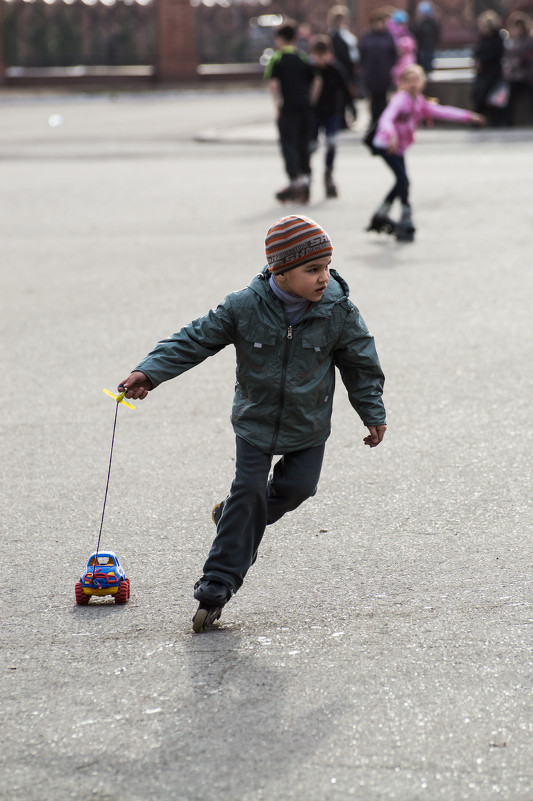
(291, 327)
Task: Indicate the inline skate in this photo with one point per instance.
(212, 597)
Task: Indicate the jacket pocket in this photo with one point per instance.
(316, 376)
(258, 356)
(315, 353)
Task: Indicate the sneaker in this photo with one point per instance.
(212, 593)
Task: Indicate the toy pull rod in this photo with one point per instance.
(119, 399)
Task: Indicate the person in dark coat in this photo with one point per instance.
(293, 83)
(488, 55)
(346, 52)
(333, 98)
(518, 64)
(378, 57)
(426, 30)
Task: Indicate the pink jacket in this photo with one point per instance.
(404, 114)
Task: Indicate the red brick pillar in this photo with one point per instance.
(176, 41)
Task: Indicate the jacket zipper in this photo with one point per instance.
(282, 388)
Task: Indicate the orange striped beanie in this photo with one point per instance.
(293, 241)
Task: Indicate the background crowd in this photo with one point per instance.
(503, 56)
(315, 78)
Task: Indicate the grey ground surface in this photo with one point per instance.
(381, 646)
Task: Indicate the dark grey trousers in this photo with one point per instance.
(257, 499)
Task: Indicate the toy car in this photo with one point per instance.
(103, 576)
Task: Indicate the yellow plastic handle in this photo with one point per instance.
(120, 398)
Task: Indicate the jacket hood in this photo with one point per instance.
(337, 290)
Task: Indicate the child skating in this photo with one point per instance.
(291, 327)
(395, 133)
(294, 87)
(333, 99)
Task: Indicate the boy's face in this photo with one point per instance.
(322, 59)
(308, 280)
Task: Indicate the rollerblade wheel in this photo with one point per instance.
(198, 620)
(204, 617)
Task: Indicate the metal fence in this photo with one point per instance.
(63, 33)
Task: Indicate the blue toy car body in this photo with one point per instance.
(104, 576)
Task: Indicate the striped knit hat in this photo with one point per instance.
(293, 241)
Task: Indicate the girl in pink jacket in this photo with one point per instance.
(395, 132)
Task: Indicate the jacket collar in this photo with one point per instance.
(337, 290)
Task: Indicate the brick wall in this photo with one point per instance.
(176, 48)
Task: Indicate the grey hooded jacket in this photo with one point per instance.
(285, 375)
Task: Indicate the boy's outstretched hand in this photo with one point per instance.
(375, 436)
(137, 384)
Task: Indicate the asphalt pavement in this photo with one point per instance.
(380, 648)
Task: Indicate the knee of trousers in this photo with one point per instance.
(254, 491)
(308, 493)
(297, 492)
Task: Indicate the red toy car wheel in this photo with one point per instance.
(81, 598)
(129, 588)
(122, 594)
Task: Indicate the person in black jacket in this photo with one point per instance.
(426, 30)
(378, 57)
(346, 52)
(293, 85)
(488, 56)
(334, 96)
